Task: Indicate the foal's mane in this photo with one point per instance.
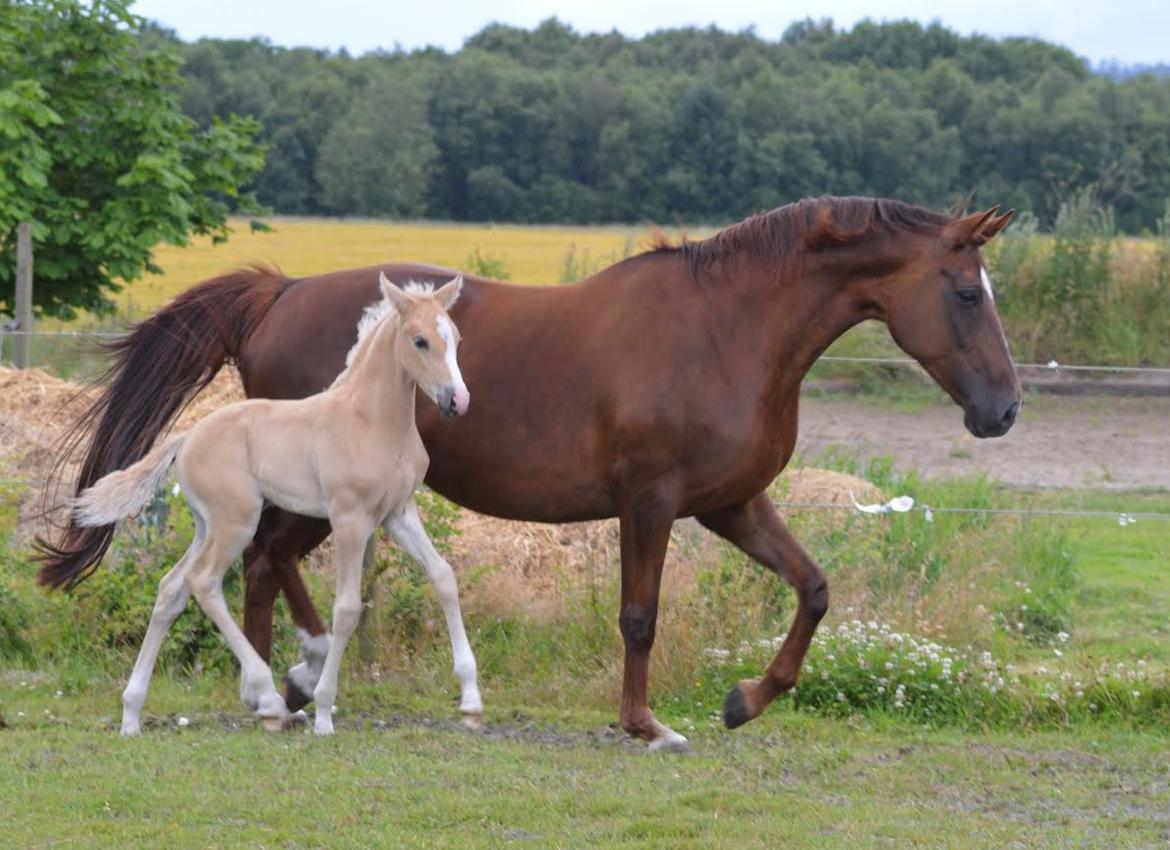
(783, 235)
(372, 317)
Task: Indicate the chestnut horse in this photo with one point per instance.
(661, 387)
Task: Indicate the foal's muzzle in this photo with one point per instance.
(453, 401)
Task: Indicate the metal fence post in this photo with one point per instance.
(24, 282)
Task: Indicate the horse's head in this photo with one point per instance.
(940, 308)
(428, 341)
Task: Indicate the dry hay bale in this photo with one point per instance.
(36, 411)
(823, 486)
(532, 561)
(224, 389)
(40, 399)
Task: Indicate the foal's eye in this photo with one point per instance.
(420, 342)
(969, 297)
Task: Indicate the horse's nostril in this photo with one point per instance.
(1010, 414)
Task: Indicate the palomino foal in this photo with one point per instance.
(351, 454)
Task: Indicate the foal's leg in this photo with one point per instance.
(645, 532)
(408, 530)
(173, 594)
(351, 531)
(757, 529)
(226, 538)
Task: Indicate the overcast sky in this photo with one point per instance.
(1132, 31)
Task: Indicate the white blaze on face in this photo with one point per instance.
(447, 334)
(986, 282)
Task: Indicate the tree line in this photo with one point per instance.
(692, 125)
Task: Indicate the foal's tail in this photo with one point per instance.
(157, 369)
(125, 492)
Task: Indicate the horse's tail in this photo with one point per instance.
(126, 491)
(156, 370)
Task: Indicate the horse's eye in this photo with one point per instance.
(420, 342)
(969, 297)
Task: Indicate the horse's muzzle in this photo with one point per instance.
(991, 422)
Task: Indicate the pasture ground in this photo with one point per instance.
(551, 771)
(396, 777)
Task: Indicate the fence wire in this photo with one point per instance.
(1050, 366)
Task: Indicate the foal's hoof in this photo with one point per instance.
(473, 720)
(273, 724)
(735, 708)
(295, 697)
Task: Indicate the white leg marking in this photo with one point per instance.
(407, 529)
(668, 740)
(307, 673)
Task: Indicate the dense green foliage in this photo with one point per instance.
(96, 152)
(689, 125)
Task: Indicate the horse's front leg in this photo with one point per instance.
(645, 532)
(351, 531)
(407, 529)
(757, 529)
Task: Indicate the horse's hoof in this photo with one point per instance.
(735, 708)
(130, 730)
(473, 720)
(674, 743)
(295, 696)
(273, 724)
(296, 720)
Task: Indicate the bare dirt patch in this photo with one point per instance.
(1073, 442)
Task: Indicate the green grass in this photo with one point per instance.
(552, 772)
(786, 781)
(1123, 603)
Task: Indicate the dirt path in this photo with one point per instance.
(1105, 443)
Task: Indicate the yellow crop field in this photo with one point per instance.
(300, 246)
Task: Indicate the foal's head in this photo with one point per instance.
(940, 308)
(428, 341)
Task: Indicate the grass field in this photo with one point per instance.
(788, 782)
(529, 254)
(552, 771)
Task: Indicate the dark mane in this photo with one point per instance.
(781, 236)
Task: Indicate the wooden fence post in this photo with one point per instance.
(24, 281)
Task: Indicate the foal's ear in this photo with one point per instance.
(397, 298)
(448, 293)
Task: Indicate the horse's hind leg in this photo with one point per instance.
(270, 566)
(226, 538)
(173, 594)
(757, 529)
(351, 532)
(408, 530)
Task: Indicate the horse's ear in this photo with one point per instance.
(993, 227)
(965, 231)
(397, 298)
(959, 208)
(448, 293)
